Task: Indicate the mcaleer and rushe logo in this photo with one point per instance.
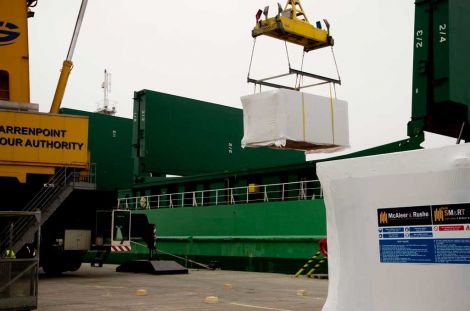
(9, 32)
(383, 218)
(404, 216)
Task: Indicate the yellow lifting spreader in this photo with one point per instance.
(291, 24)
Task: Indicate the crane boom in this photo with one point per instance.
(68, 64)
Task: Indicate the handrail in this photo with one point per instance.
(9, 235)
(253, 193)
(18, 268)
(63, 178)
(46, 189)
(39, 201)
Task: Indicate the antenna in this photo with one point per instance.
(106, 106)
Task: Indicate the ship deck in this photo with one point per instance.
(104, 289)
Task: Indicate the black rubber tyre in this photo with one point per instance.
(73, 266)
(52, 269)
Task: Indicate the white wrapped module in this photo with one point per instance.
(295, 120)
(399, 231)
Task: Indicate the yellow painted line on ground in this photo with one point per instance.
(257, 307)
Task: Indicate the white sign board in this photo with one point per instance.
(399, 231)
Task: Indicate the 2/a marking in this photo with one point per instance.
(443, 33)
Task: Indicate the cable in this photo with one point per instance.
(336, 64)
(459, 139)
(287, 52)
(301, 80)
(251, 59)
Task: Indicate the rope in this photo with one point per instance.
(332, 113)
(303, 115)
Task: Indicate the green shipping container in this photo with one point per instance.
(109, 142)
(451, 44)
(441, 92)
(182, 136)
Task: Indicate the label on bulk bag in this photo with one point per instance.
(425, 234)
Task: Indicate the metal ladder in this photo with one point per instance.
(47, 200)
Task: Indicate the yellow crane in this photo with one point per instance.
(33, 143)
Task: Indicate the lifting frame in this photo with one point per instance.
(291, 25)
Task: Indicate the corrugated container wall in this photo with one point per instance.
(109, 142)
(182, 136)
(441, 93)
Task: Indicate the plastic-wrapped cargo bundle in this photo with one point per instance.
(295, 120)
(399, 231)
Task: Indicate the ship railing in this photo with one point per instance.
(252, 193)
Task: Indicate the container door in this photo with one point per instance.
(121, 231)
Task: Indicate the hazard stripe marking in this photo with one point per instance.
(120, 248)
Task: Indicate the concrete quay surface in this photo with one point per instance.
(102, 289)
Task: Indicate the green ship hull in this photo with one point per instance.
(211, 217)
(270, 237)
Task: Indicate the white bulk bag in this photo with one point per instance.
(399, 231)
(295, 120)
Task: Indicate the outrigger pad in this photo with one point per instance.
(158, 267)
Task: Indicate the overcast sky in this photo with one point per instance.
(201, 49)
